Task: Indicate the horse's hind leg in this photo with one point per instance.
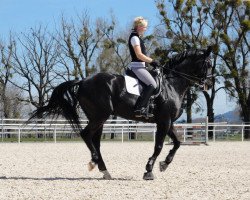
(87, 135)
(97, 143)
(170, 156)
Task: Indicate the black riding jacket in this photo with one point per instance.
(131, 49)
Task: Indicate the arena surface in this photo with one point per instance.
(59, 171)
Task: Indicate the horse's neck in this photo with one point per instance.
(180, 85)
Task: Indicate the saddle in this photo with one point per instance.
(130, 76)
(134, 87)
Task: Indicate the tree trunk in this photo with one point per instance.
(245, 113)
(210, 113)
(247, 131)
(246, 119)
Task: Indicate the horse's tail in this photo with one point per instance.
(63, 101)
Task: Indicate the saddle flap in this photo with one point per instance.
(132, 85)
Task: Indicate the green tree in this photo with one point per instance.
(184, 26)
(225, 24)
(232, 18)
(229, 28)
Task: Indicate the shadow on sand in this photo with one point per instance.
(62, 178)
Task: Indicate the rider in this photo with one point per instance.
(138, 53)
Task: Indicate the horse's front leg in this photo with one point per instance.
(159, 140)
(170, 156)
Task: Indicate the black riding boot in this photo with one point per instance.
(142, 102)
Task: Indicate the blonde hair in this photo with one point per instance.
(140, 21)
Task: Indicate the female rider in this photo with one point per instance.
(139, 58)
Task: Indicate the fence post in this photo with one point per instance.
(136, 135)
(122, 134)
(128, 134)
(19, 135)
(214, 133)
(184, 134)
(55, 134)
(2, 129)
(45, 132)
(206, 131)
(242, 132)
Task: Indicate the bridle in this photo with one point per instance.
(198, 81)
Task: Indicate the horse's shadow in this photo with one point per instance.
(62, 178)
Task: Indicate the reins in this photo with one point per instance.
(194, 79)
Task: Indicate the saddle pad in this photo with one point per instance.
(132, 85)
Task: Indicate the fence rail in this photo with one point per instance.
(122, 129)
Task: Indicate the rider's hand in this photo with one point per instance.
(154, 64)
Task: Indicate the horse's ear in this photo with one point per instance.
(208, 51)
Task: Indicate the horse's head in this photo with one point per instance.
(194, 66)
(202, 68)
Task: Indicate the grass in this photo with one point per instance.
(76, 138)
(14, 138)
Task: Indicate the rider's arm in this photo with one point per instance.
(140, 55)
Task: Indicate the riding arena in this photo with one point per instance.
(58, 169)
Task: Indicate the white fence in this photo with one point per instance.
(122, 129)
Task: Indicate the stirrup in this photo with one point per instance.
(138, 113)
(143, 112)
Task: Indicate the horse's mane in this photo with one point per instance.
(178, 58)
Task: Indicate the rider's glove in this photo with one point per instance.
(154, 64)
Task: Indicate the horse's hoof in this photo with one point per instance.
(163, 166)
(91, 165)
(148, 176)
(106, 175)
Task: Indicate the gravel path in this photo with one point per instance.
(59, 171)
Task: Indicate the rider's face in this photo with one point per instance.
(141, 29)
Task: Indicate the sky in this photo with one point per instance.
(20, 15)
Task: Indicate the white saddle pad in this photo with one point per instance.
(132, 85)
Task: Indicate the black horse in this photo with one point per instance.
(101, 96)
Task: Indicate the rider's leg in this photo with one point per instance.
(145, 77)
(142, 102)
(143, 74)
